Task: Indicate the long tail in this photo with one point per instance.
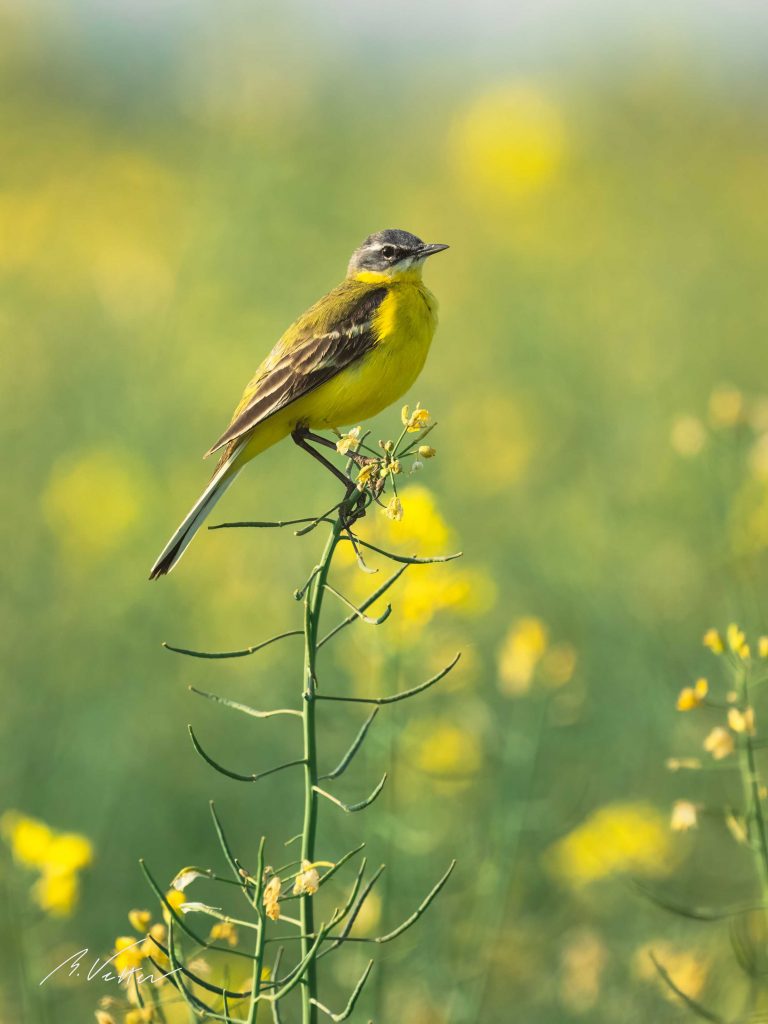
(177, 545)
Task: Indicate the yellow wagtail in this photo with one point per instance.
(349, 356)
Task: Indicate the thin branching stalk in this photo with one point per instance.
(262, 889)
(753, 801)
(313, 604)
(735, 744)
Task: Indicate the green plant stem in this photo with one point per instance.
(313, 602)
(751, 783)
(258, 957)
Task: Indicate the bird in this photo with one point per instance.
(349, 356)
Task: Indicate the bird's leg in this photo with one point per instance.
(358, 459)
(349, 511)
(301, 437)
(308, 435)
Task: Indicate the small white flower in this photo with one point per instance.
(683, 816)
(185, 877)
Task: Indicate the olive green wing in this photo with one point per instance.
(335, 333)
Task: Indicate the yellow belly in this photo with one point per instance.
(405, 325)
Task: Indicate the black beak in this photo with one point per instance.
(430, 248)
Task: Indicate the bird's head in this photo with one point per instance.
(389, 255)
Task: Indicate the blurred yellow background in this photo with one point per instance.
(177, 182)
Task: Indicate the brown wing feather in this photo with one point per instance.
(308, 355)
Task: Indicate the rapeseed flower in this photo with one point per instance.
(59, 857)
(742, 721)
(271, 897)
(684, 816)
(688, 436)
(308, 880)
(394, 509)
(416, 420)
(509, 143)
(522, 650)
(224, 931)
(737, 640)
(618, 838)
(691, 697)
(349, 442)
(129, 954)
(726, 406)
(140, 920)
(719, 743)
(714, 641)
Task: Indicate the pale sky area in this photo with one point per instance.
(533, 31)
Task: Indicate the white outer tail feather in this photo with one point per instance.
(179, 542)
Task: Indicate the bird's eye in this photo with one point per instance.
(388, 251)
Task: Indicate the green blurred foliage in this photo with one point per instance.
(176, 186)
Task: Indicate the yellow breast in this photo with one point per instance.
(405, 325)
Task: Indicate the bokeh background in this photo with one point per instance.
(177, 182)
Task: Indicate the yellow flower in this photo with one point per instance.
(676, 764)
(684, 816)
(176, 899)
(426, 451)
(308, 880)
(688, 436)
(92, 502)
(726, 406)
(369, 916)
(719, 743)
(742, 721)
(271, 897)
(758, 458)
(509, 143)
(620, 837)
(158, 933)
(365, 474)
(140, 1015)
(58, 856)
(349, 442)
(425, 593)
(559, 664)
(714, 641)
(583, 958)
(56, 892)
(521, 652)
(693, 696)
(688, 971)
(762, 646)
(200, 966)
(223, 931)
(68, 852)
(29, 839)
(736, 638)
(414, 421)
(129, 954)
(394, 510)
(139, 920)
(449, 750)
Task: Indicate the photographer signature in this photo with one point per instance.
(100, 970)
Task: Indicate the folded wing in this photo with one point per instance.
(331, 336)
